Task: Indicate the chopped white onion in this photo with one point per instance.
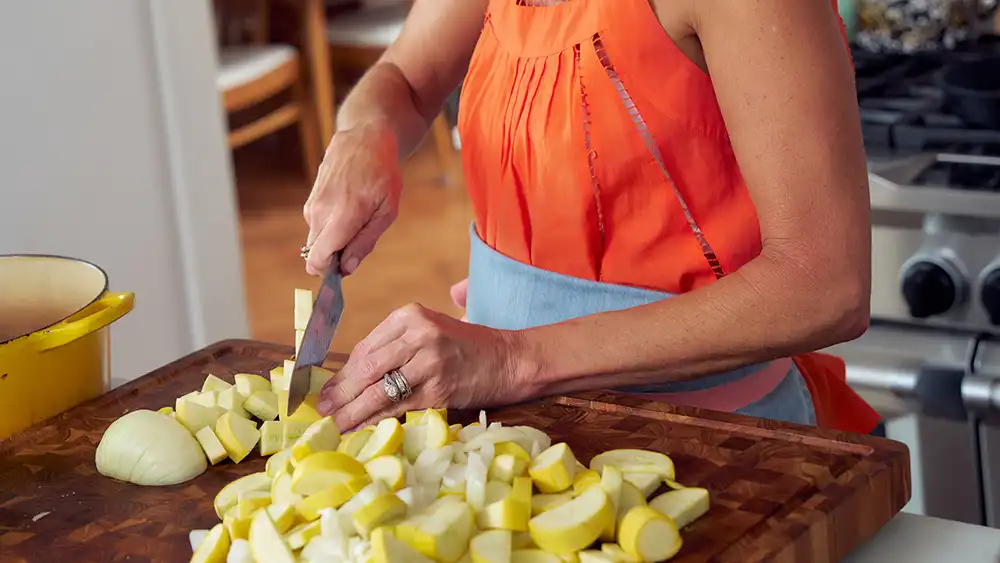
(409, 476)
(196, 537)
(454, 476)
(469, 433)
(322, 550)
(359, 549)
(239, 552)
(432, 464)
(418, 497)
(539, 438)
(487, 452)
(330, 527)
(475, 482)
(499, 434)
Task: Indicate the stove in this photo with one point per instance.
(905, 109)
(930, 363)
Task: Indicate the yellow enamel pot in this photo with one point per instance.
(55, 314)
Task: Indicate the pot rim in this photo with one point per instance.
(107, 286)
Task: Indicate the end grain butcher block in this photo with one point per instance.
(779, 492)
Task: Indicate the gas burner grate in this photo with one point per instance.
(904, 108)
(961, 175)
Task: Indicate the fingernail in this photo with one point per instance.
(351, 264)
(324, 407)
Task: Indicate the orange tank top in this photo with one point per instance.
(593, 147)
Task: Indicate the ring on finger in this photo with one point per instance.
(402, 383)
(304, 252)
(396, 387)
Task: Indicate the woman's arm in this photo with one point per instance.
(403, 92)
(357, 188)
(783, 80)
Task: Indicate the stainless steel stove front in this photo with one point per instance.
(913, 377)
(981, 393)
(933, 247)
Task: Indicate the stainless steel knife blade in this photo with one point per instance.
(326, 313)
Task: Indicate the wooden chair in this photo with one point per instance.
(253, 74)
(359, 37)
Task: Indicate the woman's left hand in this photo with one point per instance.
(447, 363)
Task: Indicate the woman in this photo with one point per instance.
(638, 224)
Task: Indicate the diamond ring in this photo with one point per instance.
(396, 387)
(390, 389)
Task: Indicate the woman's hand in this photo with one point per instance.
(354, 198)
(447, 362)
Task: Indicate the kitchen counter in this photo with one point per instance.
(919, 539)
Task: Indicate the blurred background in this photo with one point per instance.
(174, 145)
(174, 142)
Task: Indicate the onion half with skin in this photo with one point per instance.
(149, 448)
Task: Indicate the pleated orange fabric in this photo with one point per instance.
(593, 147)
(560, 175)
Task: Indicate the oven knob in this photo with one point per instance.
(929, 289)
(989, 295)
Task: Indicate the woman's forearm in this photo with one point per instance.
(403, 93)
(769, 309)
(383, 99)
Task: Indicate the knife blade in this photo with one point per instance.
(322, 325)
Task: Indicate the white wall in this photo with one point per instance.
(112, 149)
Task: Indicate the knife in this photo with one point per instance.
(322, 325)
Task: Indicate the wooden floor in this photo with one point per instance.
(417, 260)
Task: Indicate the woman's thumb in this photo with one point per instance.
(460, 293)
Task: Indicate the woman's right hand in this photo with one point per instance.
(354, 199)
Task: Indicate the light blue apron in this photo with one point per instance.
(507, 294)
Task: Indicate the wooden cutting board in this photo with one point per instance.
(779, 492)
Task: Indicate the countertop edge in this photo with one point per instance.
(922, 539)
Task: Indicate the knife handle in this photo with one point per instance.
(335, 260)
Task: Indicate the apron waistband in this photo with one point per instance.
(732, 396)
(507, 294)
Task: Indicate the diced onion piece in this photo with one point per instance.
(196, 537)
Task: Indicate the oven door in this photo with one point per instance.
(981, 391)
(913, 377)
